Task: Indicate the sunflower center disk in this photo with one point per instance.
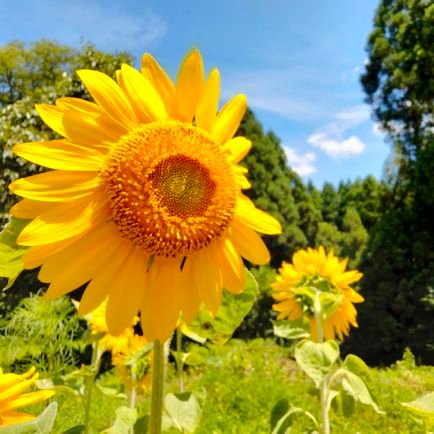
(171, 189)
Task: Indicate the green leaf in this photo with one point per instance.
(358, 367)
(342, 402)
(184, 410)
(278, 411)
(298, 329)
(233, 309)
(125, 419)
(196, 355)
(110, 391)
(354, 386)
(41, 425)
(78, 429)
(329, 303)
(316, 359)
(282, 417)
(11, 264)
(423, 406)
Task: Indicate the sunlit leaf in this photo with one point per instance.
(316, 359)
(125, 419)
(423, 406)
(41, 425)
(282, 417)
(184, 409)
(11, 264)
(233, 309)
(298, 329)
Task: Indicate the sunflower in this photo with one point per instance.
(145, 204)
(11, 396)
(313, 270)
(98, 326)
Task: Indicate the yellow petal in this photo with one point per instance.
(190, 299)
(127, 289)
(98, 288)
(229, 119)
(57, 185)
(29, 209)
(238, 148)
(107, 93)
(78, 263)
(60, 154)
(27, 399)
(162, 302)
(248, 243)
(232, 267)
(80, 127)
(161, 82)
(13, 417)
(208, 277)
(190, 85)
(206, 111)
(145, 96)
(35, 256)
(256, 219)
(65, 220)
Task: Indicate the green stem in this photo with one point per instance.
(94, 366)
(179, 363)
(157, 388)
(324, 392)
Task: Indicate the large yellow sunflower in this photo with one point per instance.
(12, 397)
(145, 202)
(316, 270)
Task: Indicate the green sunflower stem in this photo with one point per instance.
(94, 366)
(324, 390)
(157, 388)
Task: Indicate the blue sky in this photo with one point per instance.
(298, 62)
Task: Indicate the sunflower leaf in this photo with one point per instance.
(125, 420)
(11, 264)
(41, 425)
(297, 329)
(233, 309)
(184, 409)
(423, 406)
(316, 359)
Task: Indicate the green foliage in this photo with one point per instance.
(232, 310)
(41, 425)
(399, 259)
(125, 419)
(40, 332)
(10, 253)
(283, 415)
(316, 359)
(183, 411)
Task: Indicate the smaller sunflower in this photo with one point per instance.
(313, 271)
(98, 326)
(11, 396)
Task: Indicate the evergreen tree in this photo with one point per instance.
(399, 259)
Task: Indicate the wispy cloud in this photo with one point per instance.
(333, 138)
(303, 164)
(294, 93)
(109, 25)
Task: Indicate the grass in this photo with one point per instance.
(243, 380)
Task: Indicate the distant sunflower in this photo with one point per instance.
(12, 397)
(145, 202)
(326, 273)
(98, 326)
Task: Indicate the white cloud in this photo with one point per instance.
(337, 148)
(303, 164)
(332, 137)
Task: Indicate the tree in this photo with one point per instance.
(399, 259)
(273, 188)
